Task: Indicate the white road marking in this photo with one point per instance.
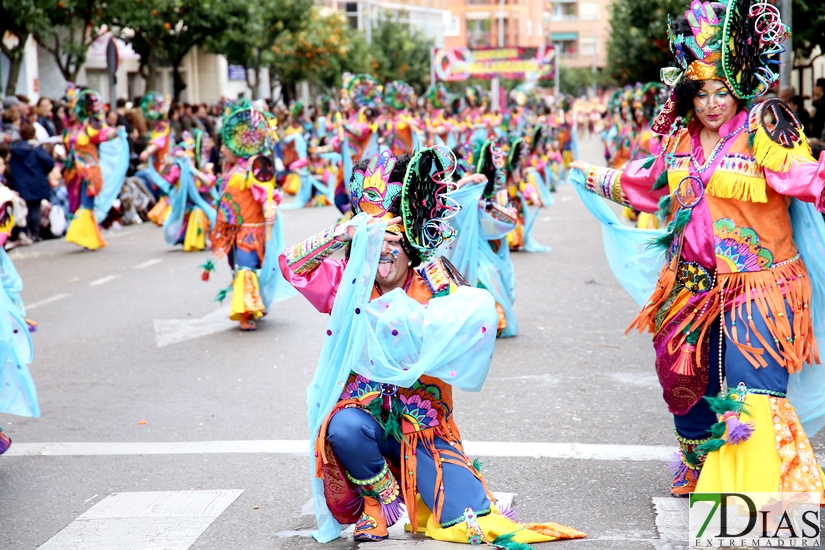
(49, 300)
(168, 520)
(509, 449)
(174, 331)
(147, 263)
(103, 280)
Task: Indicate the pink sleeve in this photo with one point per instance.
(173, 174)
(298, 164)
(637, 183)
(101, 136)
(207, 185)
(320, 285)
(260, 193)
(804, 182)
(359, 130)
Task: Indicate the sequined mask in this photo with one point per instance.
(372, 192)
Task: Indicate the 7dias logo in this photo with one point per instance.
(754, 520)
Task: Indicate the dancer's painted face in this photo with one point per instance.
(393, 265)
(714, 105)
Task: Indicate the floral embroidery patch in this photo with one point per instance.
(738, 247)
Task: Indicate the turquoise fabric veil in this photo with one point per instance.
(271, 282)
(17, 392)
(393, 339)
(11, 281)
(114, 163)
(806, 389)
(164, 186)
(634, 264)
(473, 256)
(179, 199)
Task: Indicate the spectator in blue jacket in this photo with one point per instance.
(29, 167)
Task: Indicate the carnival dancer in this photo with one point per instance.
(644, 143)
(247, 229)
(83, 174)
(404, 330)
(155, 108)
(191, 213)
(18, 394)
(400, 132)
(486, 217)
(439, 127)
(523, 194)
(298, 180)
(733, 304)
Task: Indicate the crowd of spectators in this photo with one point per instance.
(33, 155)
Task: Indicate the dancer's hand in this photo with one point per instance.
(580, 165)
(350, 232)
(472, 178)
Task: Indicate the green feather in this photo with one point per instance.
(649, 162)
(718, 429)
(664, 206)
(507, 543)
(661, 182)
(221, 296)
(390, 421)
(751, 139)
(477, 464)
(710, 445)
(673, 228)
(721, 405)
(208, 265)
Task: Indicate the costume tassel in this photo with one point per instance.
(477, 464)
(721, 405)
(649, 162)
(507, 543)
(664, 206)
(661, 182)
(223, 293)
(208, 267)
(738, 431)
(684, 363)
(673, 228)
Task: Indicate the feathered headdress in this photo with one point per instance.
(398, 94)
(245, 132)
(88, 104)
(439, 96)
(364, 91)
(155, 106)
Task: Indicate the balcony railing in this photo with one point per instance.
(564, 17)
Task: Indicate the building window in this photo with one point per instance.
(454, 27)
(477, 2)
(478, 33)
(351, 11)
(588, 47)
(567, 11)
(588, 11)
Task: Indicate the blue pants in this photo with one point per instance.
(736, 368)
(360, 445)
(242, 258)
(86, 201)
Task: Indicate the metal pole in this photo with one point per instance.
(501, 24)
(786, 69)
(556, 56)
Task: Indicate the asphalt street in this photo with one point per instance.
(132, 349)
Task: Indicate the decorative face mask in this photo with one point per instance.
(372, 191)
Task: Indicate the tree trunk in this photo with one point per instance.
(177, 81)
(15, 62)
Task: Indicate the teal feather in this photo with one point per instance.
(710, 445)
(649, 162)
(221, 296)
(721, 405)
(664, 206)
(718, 429)
(477, 464)
(390, 421)
(661, 182)
(674, 228)
(507, 543)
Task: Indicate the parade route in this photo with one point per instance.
(148, 391)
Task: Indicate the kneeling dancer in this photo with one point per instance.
(404, 330)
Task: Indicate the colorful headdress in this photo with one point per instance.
(473, 95)
(88, 104)
(71, 96)
(364, 91)
(439, 96)
(491, 162)
(324, 104)
(398, 94)
(297, 109)
(196, 144)
(425, 205)
(738, 42)
(245, 132)
(155, 106)
(371, 190)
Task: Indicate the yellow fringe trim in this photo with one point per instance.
(776, 158)
(730, 185)
(674, 177)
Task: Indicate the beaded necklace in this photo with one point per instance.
(671, 159)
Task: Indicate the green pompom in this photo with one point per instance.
(507, 543)
(710, 445)
(718, 429)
